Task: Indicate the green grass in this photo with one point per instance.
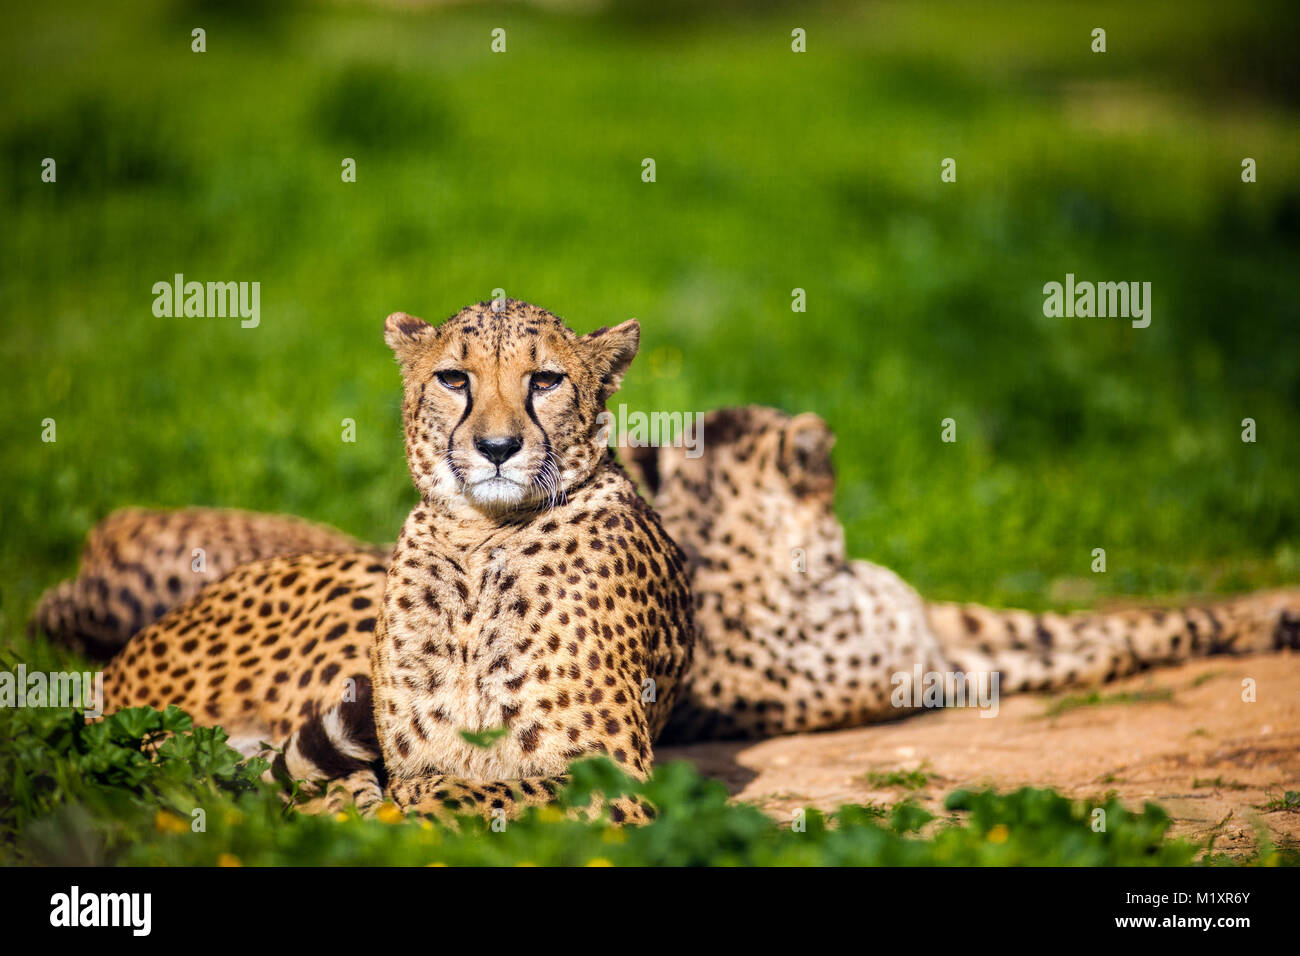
(1288, 801)
(907, 780)
(1096, 698)
(145, 788)
(774, 171)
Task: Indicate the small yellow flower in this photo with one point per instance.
(228, 859)
(613, 835)
(341, 817)
(525, 863)
(165, 822)
(550, 814)
(999, 834)
(599, 861)
(234, 817)
(389, 813)
(435, 863)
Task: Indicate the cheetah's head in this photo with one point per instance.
(764, 481)
(500, 407)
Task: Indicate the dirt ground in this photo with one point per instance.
(1182, 737)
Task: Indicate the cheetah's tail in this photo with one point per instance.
(1049, 651)
(332, 744)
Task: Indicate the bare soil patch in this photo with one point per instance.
(1182, 737)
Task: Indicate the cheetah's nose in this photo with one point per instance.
(498, 450)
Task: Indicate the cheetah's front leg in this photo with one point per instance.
(358, 789)
(446, 797)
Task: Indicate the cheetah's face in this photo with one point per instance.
(501, 407)
(765, 479)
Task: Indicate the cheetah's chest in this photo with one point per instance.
(459, 648)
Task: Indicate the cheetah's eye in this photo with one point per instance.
(452, 379)
(545, 381)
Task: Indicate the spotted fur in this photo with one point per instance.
(540, 596)
(275, 646)
(533, 591)
(138, 563)
(793, 636)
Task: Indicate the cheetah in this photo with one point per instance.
(278, 650)
(531, 592)
(138, 563)
(793, 636)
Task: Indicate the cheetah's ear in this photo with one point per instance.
(404, 333)
(610, 352)
(805, 455)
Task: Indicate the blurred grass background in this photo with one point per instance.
(774, 171)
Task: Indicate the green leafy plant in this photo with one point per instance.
(484, 738)
(909, 780)
(146, 787)
(1288, 801)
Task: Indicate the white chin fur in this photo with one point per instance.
(495, 493)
